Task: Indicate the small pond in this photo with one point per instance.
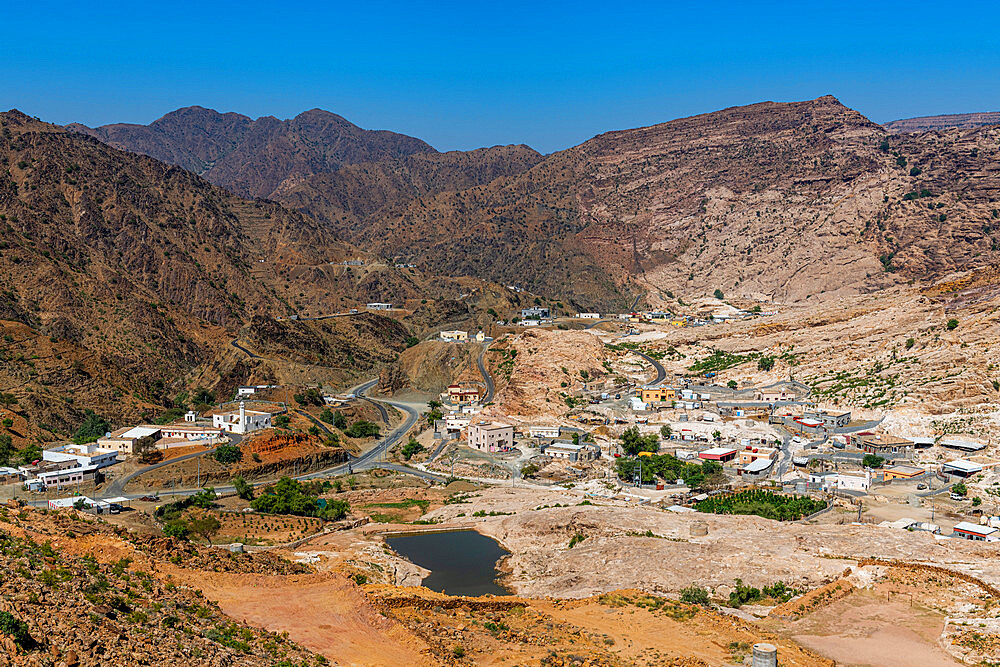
(462, 562)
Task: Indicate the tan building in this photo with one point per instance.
(751, 454)
(490, 436)
(657, 394)
(460, 394)
(882, 443)
(127, 441)
(456, 335)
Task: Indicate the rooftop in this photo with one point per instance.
(975, 528)
(964, 466)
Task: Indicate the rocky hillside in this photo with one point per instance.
(120, 275)
(76, 592)
(251, 157)
(947, 121)
(782, 202)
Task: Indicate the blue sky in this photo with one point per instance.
(464, 75)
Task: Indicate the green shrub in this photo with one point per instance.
(576, 539)
(695, 595)
(228, 454)
(952, 324)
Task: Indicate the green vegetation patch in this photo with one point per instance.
(767, 504)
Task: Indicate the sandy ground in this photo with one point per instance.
(323, 612)
(866, 629)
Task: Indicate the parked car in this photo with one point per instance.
(956, 496)
(921, 487)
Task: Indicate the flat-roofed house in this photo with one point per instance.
(720, 454)
(242, 420)
(884, 444)
(128, 440)
(657, 394)
(462, 394)
(975, 532)
(490, 436)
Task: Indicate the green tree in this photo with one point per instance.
(717, 435)
(17, 629)
(411, 341)
(666, 431)
(281, 421)
(92, 428)
(30, 453)
(6, 449)
(362, 429)
(732, 384)
(718, 294)
(339, 420)
(872, 461)
(910, 342)
(696, 595)
(228, 454)
(952, 324)
(326, 415)
(411, 448)
(177, 528)
(243, 489)
(633, 443)
(205, 526)
(765, 363)
(202, 397)
(959, 489)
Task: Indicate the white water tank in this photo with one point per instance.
(765, 655)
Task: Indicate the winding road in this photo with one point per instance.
(490, 388)
(366, 461)
(661, 372)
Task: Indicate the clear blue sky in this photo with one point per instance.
(463, 75)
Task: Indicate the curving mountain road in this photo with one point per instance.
(490, 388)
(117, 487)
(661, 372)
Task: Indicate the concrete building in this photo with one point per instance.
(901, 472)
(884, 444)
(774, 395)
(455, 336)
(829, 419)
(379, 306)
(589, 316)
(543, 431)
(720, 454)
(657, 394)
(490, 436)
(973, 531)
(128, 440)
(81, 456)
(528, 323)
(187, 432)
(536, 313)
(66, 477)
(242, 420)
(245, 391)
(750, 454)
(570, 452)
(461, 394)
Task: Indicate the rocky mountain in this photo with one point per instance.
(773, 201)
(121, 277)
(944, 122)
(782, 202)
(251, 157)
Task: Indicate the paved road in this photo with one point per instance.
(661, 372)
(240, 347)
(323, 427)
(117, 487)
(490, 388)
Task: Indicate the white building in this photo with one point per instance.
(242, 421)
(490, 436)
(379, 306)
(186, 432)
(589, 316)
(82, 456)
(455, 336)
(975, 532)
(570, 452)
(543, 431)
(245, 391)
